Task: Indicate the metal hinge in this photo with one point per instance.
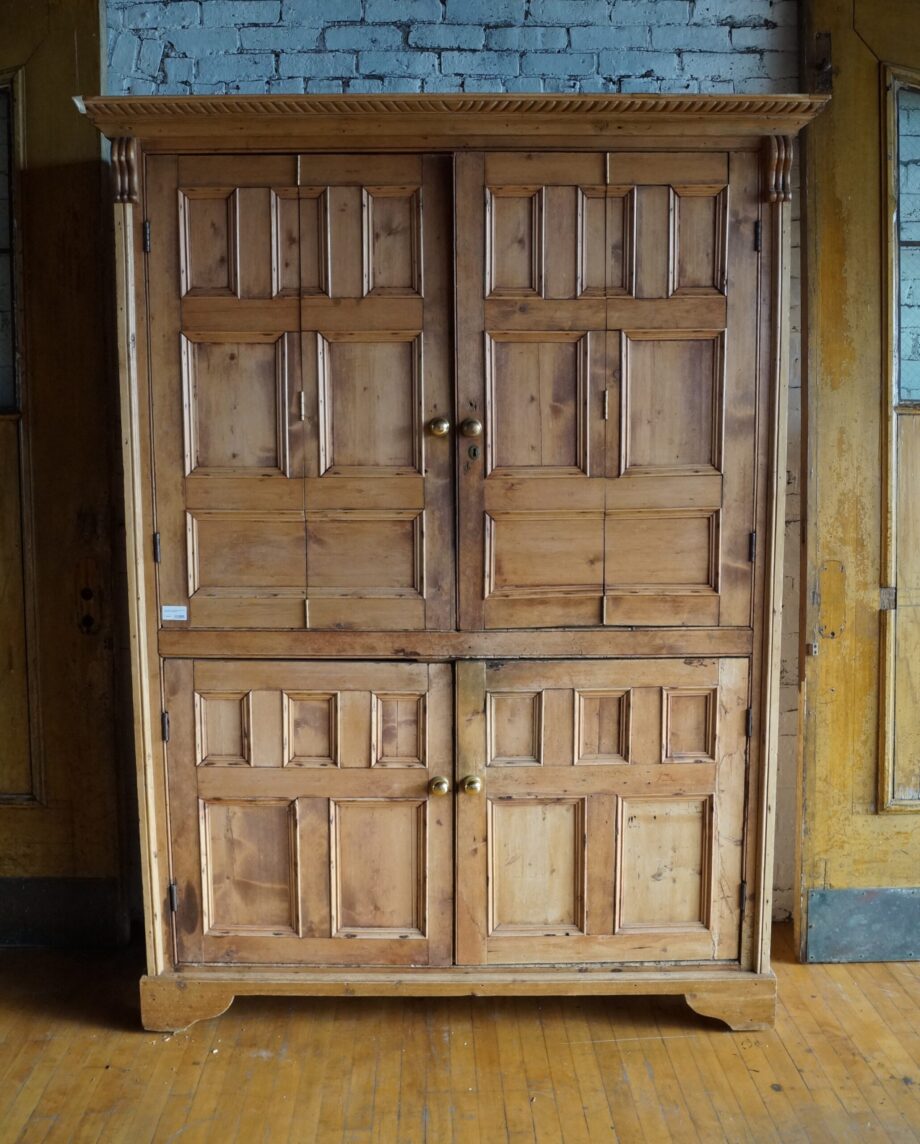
(164, 725)
(749, 723)
(303, 406)
(156, 548)
(173, 897)
(888, 599)
(758, 235)
(606, 404)
(752, 547)
(146, 232)
(742, 898)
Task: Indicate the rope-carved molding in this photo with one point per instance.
(222, 122)
(124, 169)
(654, 105)
(777, 168)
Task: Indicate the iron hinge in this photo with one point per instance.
(173, 897)
(742, 898)
(888, 599)
(758, 236)
(749, 723)
(146, 230)
(303, 405)
(752, 547)
(606, 404)
(156, 548)
(164, 725)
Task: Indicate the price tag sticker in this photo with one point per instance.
(174, 612)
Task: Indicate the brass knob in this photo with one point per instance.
(439, 785)
(472, 784)
(439, 426)
(471, 427)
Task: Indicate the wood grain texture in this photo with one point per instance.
(833, 1068)
(845, 843)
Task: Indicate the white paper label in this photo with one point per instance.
(174, 612)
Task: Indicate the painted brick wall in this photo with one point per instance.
(182, 47)
(909, 211)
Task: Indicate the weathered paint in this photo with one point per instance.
(846, 843)
(864, 925)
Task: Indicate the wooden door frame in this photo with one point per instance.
(760, 124)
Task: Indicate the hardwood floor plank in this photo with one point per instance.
(841, 1065)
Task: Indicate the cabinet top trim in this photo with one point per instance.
(433, 122)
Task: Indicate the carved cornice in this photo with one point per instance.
(124, 168)
(280, 121)
(778, 151)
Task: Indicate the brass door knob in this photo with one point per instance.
(471, 427)
(439, 426)
(472, 784)
(439, 785)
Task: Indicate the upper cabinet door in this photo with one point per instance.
(299, 322)
(607, 321)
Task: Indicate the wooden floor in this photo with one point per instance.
(842, 1064)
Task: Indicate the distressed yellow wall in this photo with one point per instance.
(845, 842)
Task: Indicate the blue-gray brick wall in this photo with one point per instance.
(179, 47)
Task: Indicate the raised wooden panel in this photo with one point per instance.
(392, 240)
(235, 396)
(514, 236)
(399, 730)
(621, 240)
(666, 849)
(537, 388)
(700, 239)
(369, 403)
(602, 726)
(515, 728)
(239, 550)
(311, 729)
(537, 866)
(672, 397)
(593, 253)
(346, 241)
(365, 553)
(666, 551)
(249, 866)
(540, 553)
(286, 242)
(223, 723)
(379, 865)
(207, 237)
(315, 275)
(689, 725)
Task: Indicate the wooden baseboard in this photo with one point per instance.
(170, 1002)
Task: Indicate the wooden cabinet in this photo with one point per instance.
(452, 444)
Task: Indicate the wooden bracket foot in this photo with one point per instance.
(742, 1010)
(169, 1004)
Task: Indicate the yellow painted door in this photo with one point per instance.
(609, 324)
(303, 826)
(299, 326)
(600, 810)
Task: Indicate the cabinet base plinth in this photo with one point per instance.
(173, 1001)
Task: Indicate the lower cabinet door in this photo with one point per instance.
(303, 829)
(600, 810)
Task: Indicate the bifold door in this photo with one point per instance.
(300, 346)
(599, 811)
(606, 815)
(302, 823)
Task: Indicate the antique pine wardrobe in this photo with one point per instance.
(453, 437)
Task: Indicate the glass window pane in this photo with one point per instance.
(7, 348)
(909, 244)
